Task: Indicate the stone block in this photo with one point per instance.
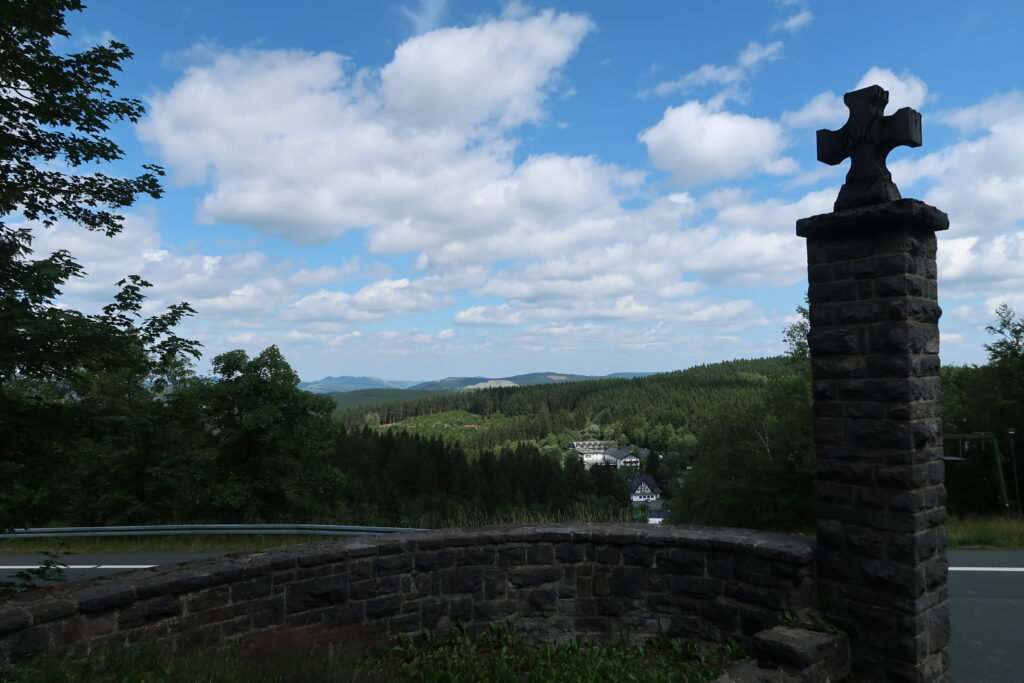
(148, 611)
(914, 309)
(236, 627)
(462, 580)
(12, 620)
(493, 610)
(433, 560)
(253, 588)
(821, 272)
(360, 569)
(337, 615)
(528, 577)
(392, 564)
(77, 630)
(695, 587)
(628, 582)
(511, 555)
(883, 224)
(570, 552)
(884, 264)
(540, 554)
(538, 602)
(495, 583)
(610, 607)
(104, 596)
(758, 597)
(803, 649)
(637, 555)
(267, 612)
(833, 341)
(861, 312)
(432, 611)
(314, 593)
(31, 641)
(208, 599)
(681, 561)
(460, 608)
(316, 571)
(379, 608)
(391, 547)
(475, 556)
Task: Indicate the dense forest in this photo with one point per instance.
(104, 421)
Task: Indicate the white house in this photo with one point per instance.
(643, 489)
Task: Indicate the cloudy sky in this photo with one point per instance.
(476, 187)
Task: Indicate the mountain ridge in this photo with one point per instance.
(344, 383)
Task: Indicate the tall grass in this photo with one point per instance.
(463, 517)
(140, 544)
(964, 532)
(497, 656)
(577, 513)
(985, 532)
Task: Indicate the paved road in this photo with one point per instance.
(89, 565)
(987, 615)
(986, 605)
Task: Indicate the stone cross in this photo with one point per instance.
(867, 138)
(874, 346)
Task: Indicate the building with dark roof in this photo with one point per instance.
(643, 489)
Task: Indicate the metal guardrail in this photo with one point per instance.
(202, 529)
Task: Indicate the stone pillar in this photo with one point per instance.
(874, 343)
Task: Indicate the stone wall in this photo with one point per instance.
(552, 583)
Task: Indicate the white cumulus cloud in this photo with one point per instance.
(699, 144)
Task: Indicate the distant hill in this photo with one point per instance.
(330, 385)
(655, 409)
(333, 385)
(449, 384)
(527, 380)
(362, 397)
(490, 384)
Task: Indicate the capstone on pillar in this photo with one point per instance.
(874, 343)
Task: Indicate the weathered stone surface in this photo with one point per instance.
(148, 611)
(103, 596)
(12, 620)
(313, 593)
(810, 655)
(533, 576)
(582, 579)
(904, 214)
(392, 564)
(874, 345)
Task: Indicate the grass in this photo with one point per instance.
(143, 544)
(985, 532)
(579, 512)
(964, 532)
(499, 655)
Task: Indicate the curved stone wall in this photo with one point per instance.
(552, 583)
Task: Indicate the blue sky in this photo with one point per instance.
(424, 189)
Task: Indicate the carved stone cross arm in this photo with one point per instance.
(867, 138)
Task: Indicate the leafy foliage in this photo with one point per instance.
(75, 388)
(498, 655)
(54, 113)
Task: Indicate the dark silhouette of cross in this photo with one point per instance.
(867, 138)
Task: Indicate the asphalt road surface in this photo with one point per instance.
(986, 606)
(986, 589)
(89, 565)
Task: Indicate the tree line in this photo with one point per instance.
(104, 421)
